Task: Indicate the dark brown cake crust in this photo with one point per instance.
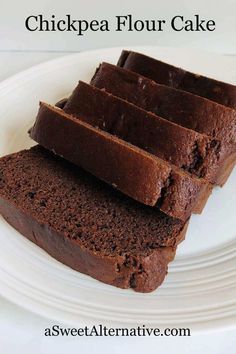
(84, 223)
(133, 171)
(61, 103)
(182, 147)
(172, 76)
(186, 109)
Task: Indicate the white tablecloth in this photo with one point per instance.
(23, 332)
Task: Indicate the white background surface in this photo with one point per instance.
(21, 331)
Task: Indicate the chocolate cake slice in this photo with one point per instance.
(84, 223)
(183, 147)
(173, 76)
(183, 108)
(133, 171)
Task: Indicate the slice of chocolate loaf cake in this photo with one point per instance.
(133, 171)
(183, 147)
(84, 223)
(172, 76)
(184, 108)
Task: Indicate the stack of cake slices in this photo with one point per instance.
(120, 167)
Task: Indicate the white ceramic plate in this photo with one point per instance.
(200, 290)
